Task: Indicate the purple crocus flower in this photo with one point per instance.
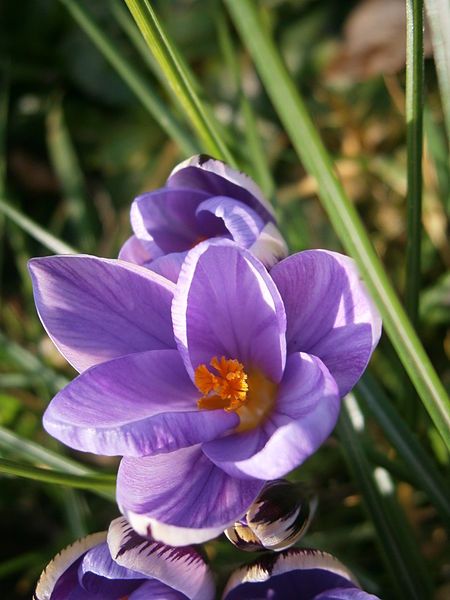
(120, 565)
(207, 388)
(295, 575)
(203, 198)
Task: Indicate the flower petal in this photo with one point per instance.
(226, 304)
(134, 251)
(202, 172)
(329, 312)
(181, 498)
(156, 590)
(100, 575)
(270, 246)
(166, 219)
(95, 309)
(182, 569)
(169, 265)
(241, 221)
(306, 411)
(135, 405)
(60, 576)
(345, 594)
(289, 575)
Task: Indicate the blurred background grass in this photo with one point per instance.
(78, 143)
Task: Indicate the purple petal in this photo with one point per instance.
(155, 590)
(242, 222)
(226, 304)
(96, 309)
(345, 594)
(134, 251)
(169, 265)
(307, 407)
(182, 569)
(136, 405)
(166, 220)
(60, 575)
(202, 172)
(100, 575)
(181, 497)
(329, 312)
(288, 576)
(270, 246)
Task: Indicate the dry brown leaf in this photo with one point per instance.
(374, 41)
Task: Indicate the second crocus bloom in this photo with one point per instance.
(203, 198)
(209, 388)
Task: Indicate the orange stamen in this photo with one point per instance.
(226, 388)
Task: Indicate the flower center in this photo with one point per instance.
(226, 387)
(229, 387)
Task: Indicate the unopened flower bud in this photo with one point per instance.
(277, 519)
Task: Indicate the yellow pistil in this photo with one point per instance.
(229, 387)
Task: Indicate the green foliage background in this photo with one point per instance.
(79, 139)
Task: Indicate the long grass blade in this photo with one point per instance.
(398, 547)
(48, 240)
(67, 168)
(343, 215)
(257, 155)
(131, 76)
(438, 12)
(30, 363)
(437, 148)
(421, 469)
(414, 136)
(37, 454)
(85, 482)
(167, 57)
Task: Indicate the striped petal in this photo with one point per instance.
(61, 575)
(294, 574)
(181, 569)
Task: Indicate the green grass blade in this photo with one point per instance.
(85, 482)
(4, 100)
(398, 548)
(75, 509)
(67, 168)
(18, 564)
(125, 20)
(414, 136)
(438, 12)
(30, 363)
(36, 454)
(343, 215)
(48, 240)
(437, 147)
(421, 468)
(167, 57)
(256, 149)
(257, 155)
(137, 84)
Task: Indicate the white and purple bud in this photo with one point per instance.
(277, 519)
(119, 564)
(293, 574)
